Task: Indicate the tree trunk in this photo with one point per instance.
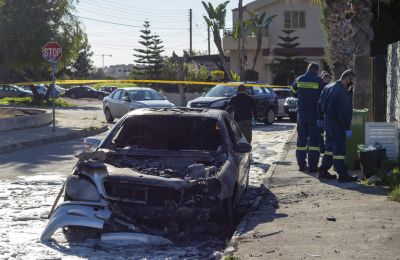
(362, 35)
(217, 41)
(339, 45)
(258, 48)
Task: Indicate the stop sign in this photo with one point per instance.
(52, 52)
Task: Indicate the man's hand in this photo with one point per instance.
(320, 123)
(349, 134)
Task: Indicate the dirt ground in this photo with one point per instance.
(303, 218)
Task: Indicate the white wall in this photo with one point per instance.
(309, 37)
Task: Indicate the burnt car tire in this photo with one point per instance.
(108, 115)
(73, 96)
(80, 234)
(226, 210)
(269, 117)
(100, 97)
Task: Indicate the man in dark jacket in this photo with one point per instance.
(337, 107)
(244, 109)
(308, 88)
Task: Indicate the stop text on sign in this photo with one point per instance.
(52, 52)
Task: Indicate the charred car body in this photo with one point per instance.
(157, 164)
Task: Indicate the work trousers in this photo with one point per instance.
(245, 126)
(338, 140)
(308, 142)
(327, 160)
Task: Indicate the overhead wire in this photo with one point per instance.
(109, 7)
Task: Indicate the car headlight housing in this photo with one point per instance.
(218, 104)
(81, 189)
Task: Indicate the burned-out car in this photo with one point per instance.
(157, 164)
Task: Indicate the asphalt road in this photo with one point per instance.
(58, 158)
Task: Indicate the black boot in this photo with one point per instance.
(303, 169)
(346, 178)
(325, 175)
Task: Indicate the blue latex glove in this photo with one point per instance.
(320, 123)
(349, 134)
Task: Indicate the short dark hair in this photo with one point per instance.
(346, 74)
(313, 66)
(241, 88)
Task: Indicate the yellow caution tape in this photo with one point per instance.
(81, 82)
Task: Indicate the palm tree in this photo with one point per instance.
(256, 24)
(216, 20)
(348, 43)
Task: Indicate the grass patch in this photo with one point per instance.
(27, 101)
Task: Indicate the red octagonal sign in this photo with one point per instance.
(52, 52)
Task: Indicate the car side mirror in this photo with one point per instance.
(126, 99)
(91, 143)
(243, 147)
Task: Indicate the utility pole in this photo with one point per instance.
(208, 38)
(190, 29)
(241, 41)
(105, 55)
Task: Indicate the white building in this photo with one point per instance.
(120, 71)
(298, 15)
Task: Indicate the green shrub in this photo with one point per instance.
(27, 101)
(395, 194)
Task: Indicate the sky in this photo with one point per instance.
(113, 27)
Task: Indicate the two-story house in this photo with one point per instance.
(298, 15)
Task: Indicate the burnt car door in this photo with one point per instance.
(242, 160)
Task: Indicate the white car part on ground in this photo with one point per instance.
(84, 214)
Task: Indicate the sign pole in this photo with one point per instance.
(53, 76)
(52, 52)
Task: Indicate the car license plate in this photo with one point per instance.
(292, 109)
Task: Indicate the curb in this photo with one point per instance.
(266, 180)
(52, 139)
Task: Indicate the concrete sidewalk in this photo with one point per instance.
(70, 124)
(303, 218)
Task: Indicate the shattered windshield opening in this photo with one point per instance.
(169, 133)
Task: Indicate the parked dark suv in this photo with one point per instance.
(218, 97)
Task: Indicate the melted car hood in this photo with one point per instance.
(129, 175)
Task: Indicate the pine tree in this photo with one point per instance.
(148, 59)
(156, 58)
(83, 64)
(286, 69)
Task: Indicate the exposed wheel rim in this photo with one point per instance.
(73, 96)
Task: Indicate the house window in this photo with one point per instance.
(295, 20)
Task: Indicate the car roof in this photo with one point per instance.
(181, 111)
(136, 88)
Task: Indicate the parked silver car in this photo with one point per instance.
(123, 100)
